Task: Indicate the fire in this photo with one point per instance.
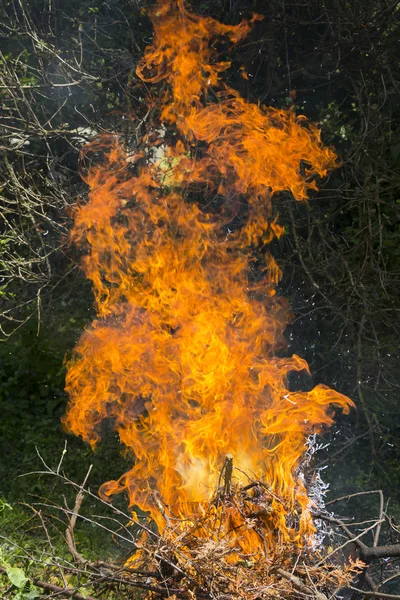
(186, 355)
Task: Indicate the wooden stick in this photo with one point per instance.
(69, 532)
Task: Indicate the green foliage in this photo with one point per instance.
(27, 557)
(10, 554)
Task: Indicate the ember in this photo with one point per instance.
(186, 354)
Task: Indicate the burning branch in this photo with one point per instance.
(226, 474)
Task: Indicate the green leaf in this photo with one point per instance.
(17, 576)
(3, 504)
(32, 594)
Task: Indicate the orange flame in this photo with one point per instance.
(182, 356)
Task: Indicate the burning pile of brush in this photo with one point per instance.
(186, 355)
(221, 551)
